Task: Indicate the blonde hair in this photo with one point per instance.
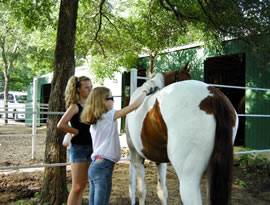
(72, 96)
(95, 106)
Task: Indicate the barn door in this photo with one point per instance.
(45, 95)
(229, 70)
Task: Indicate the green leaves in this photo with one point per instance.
(121, 30)
(106, 67)
(34, 14)
(24, 49)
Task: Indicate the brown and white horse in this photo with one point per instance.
(189, 124)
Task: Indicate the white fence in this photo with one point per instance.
(133, 86)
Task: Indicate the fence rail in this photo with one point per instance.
(133, 86)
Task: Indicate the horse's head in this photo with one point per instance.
(160, 80)
(178, 75)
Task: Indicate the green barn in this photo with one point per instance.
(237, 65)
(43, 94)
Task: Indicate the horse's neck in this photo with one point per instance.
(158, 81)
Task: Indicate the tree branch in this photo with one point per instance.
(212, 21)
(112, 25)
(3, 41)
(102, 2)
(101, 47)
(164, 6)
(176, 12)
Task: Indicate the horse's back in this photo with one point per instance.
(173, 121)
(190, 102)
(180, 108)
(193, 112)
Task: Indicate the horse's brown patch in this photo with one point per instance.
(221, 162)
(155, 135)
(210, 103)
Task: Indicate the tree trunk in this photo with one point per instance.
(6, 77)
(54, 190)
(6, 88)
(152, 57)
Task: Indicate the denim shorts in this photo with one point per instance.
(80, 153)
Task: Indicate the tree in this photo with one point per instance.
(11, 42)
(104, 39)
(40, 52)
(37, 21)
(26, 23)
(114, 39)
(154, 29)
(133, 27)
(242, 19)
(54, 188)
(19, 49)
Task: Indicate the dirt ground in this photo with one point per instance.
(23, 184)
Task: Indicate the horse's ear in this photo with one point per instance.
(186, 69)
(152, 75)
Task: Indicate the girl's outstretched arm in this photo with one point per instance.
(133, 106)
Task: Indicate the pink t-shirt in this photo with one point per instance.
(105, 138)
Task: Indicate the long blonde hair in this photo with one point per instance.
(72, 96)
(95, 106)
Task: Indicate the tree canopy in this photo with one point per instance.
(25, 50)
(111, 34)
(118, 31)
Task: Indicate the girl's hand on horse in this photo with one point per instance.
(147, 88)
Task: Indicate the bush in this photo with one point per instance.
(254, 163)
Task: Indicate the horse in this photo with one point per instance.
(192, 126)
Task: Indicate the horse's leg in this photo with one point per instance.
(190, 162)
(161, 185)
(189, 183)
(190, 191)
(132, 170)
(136, 168)
(139, 165)
(132, 179)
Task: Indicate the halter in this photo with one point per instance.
(153, 90)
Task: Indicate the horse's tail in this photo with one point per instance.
(221, 162)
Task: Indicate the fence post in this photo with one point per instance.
(133, 80)
(34, 118)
